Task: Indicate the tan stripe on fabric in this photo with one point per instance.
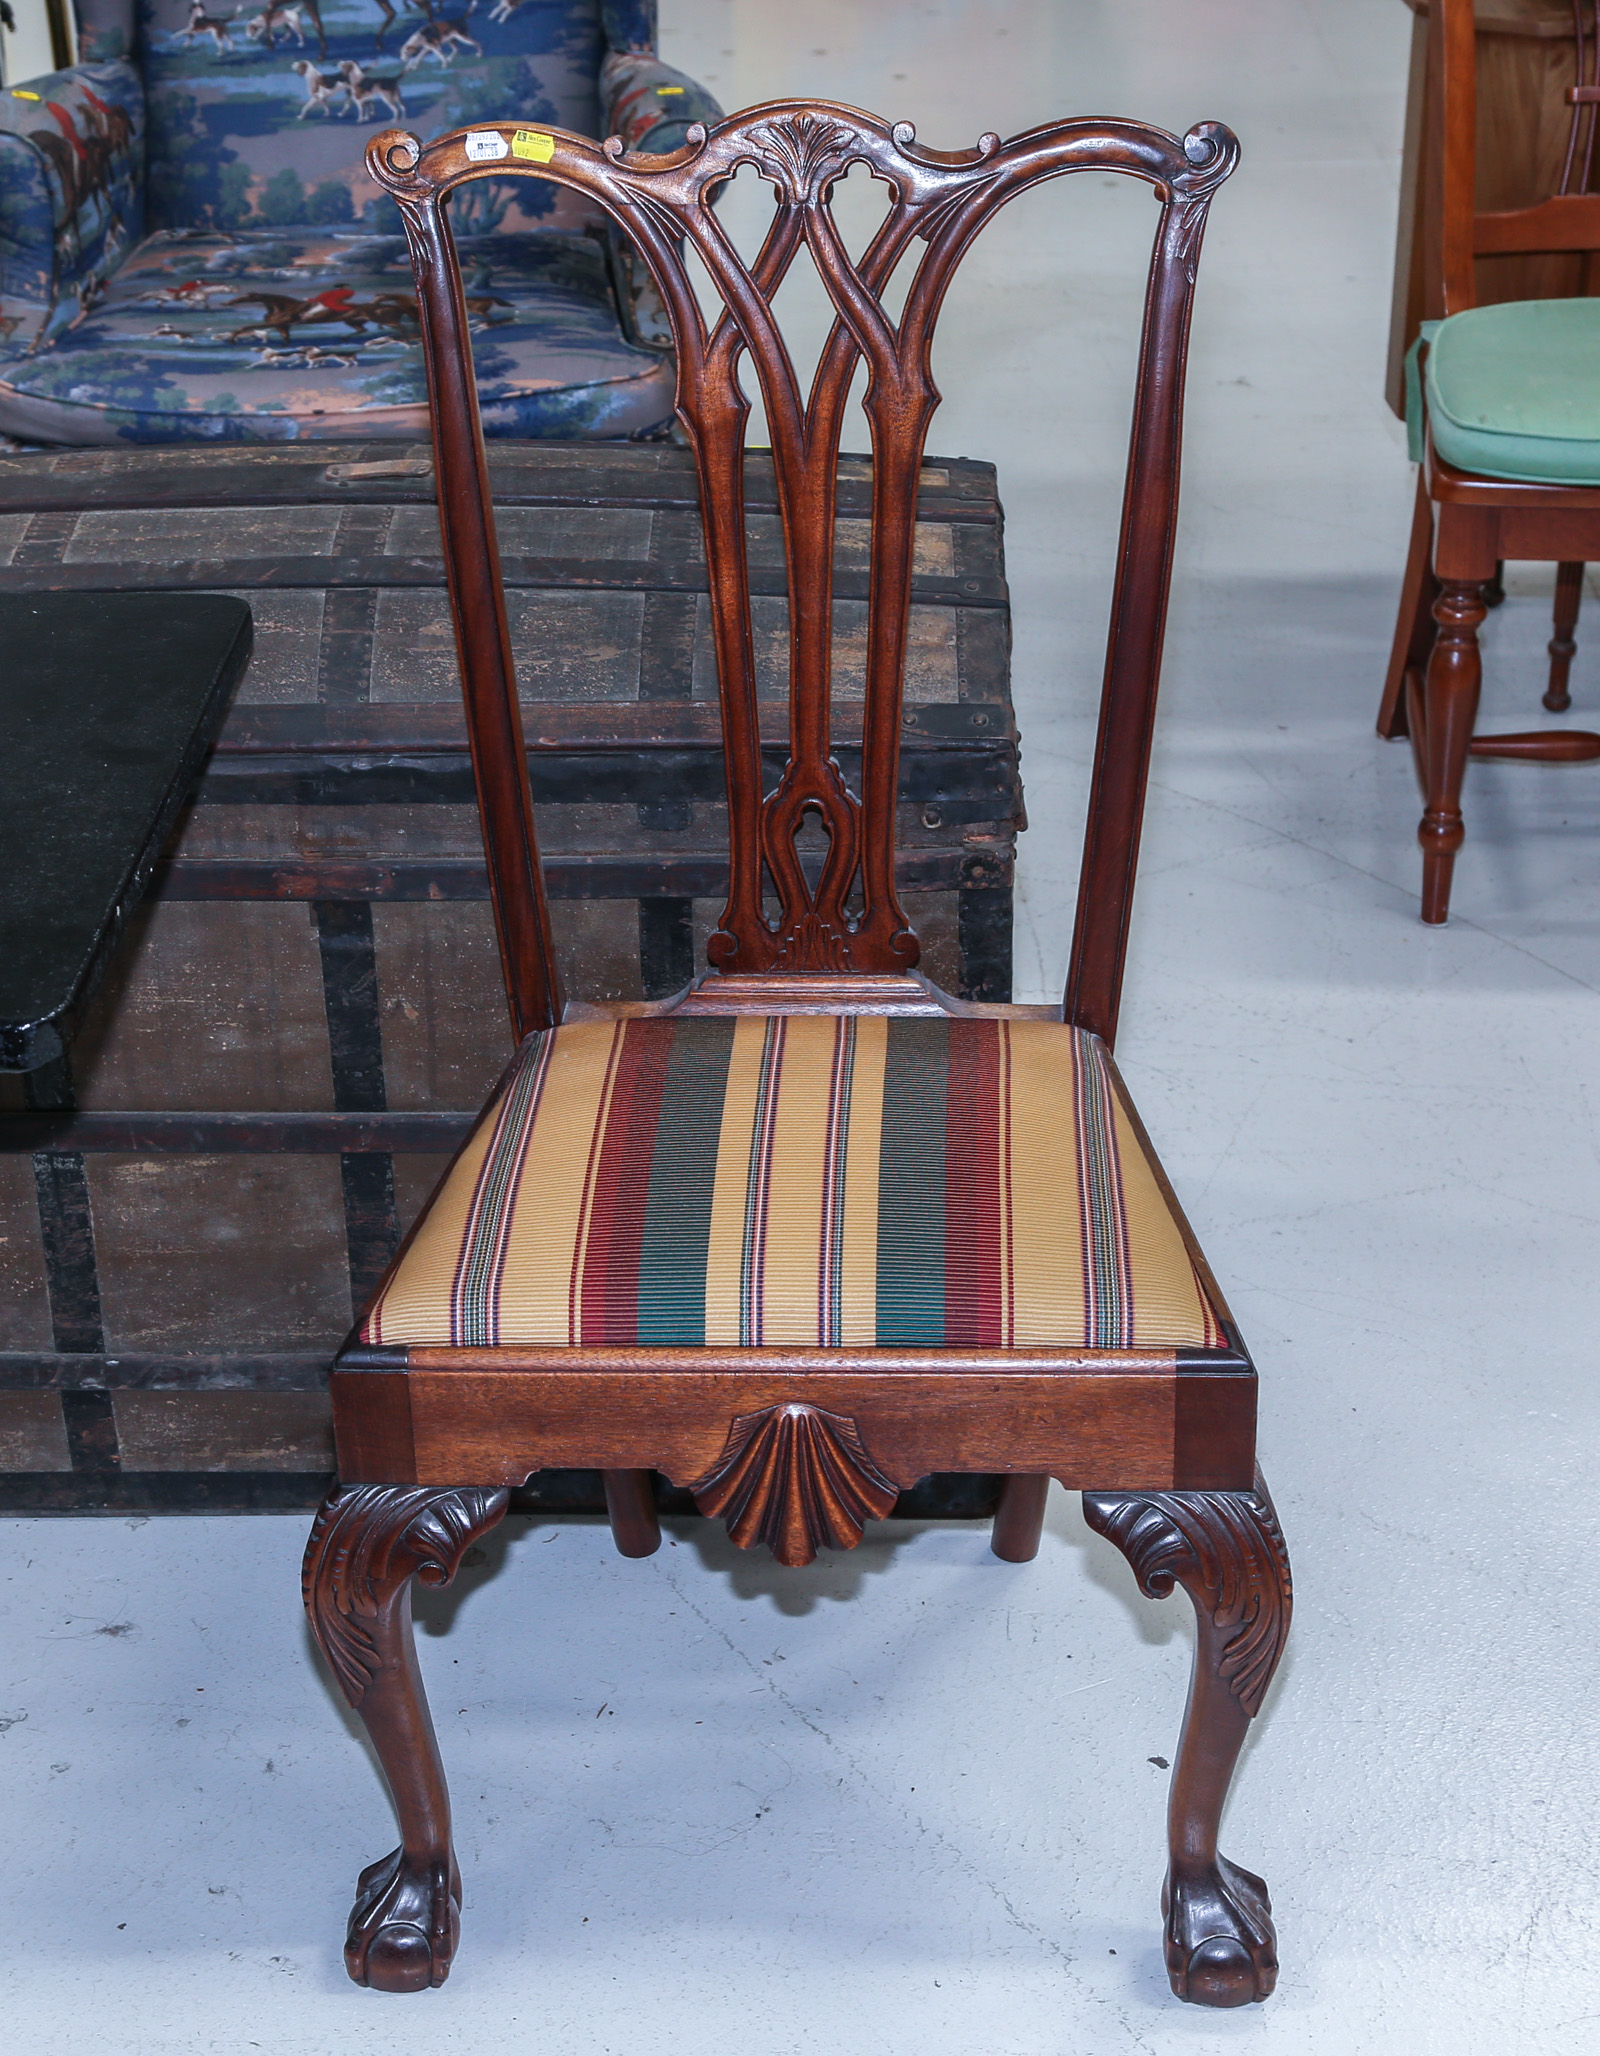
(790, 1263)
(416, 1303)
(725, 1243)
(547, 1211)
(858, 1257)
(1046, 1211)
(1168, 1305)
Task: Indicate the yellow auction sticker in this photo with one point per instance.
(533, 144)
(18, 94)
(663, 91)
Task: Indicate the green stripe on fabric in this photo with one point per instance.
(911, 1184)
(683, 1172)
(1108, 1320)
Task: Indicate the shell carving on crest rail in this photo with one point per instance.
(805, 152)
(833, 908)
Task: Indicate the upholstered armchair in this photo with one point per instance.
(191, 249)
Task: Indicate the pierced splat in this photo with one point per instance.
(785, 916)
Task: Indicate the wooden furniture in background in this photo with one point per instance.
(796, 1419)
(308, 1013)
(108, 705)
(1526, 62)
(1466, 526)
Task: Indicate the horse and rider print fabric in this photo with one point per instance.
(191, 250)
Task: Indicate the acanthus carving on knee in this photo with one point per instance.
(1227, 1551)
(366, 1545)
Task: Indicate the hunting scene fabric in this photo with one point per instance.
(190, 247)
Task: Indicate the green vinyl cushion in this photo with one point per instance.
(1514, 391)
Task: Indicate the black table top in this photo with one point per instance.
(108, 705)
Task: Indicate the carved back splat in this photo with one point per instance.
(849, 919)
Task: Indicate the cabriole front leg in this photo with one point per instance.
(1227, 1552)
(367, 1544)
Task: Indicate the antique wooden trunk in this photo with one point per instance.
(310, 1010)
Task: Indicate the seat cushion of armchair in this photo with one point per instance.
(271, 335)
(1513, 391)
(803, 1182)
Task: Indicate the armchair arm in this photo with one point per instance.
(642, 100)
(106, 29)
(650, 106)
(71, 195)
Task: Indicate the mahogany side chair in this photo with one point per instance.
(813, 1229)
(1506, 419)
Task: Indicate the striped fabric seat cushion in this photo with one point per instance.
(801, 1181)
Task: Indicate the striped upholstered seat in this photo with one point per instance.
(802, 1181)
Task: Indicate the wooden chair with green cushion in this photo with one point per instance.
(811, 1230)
(1505, 418)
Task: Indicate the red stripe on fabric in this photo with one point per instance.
(608, 1306)
(1080, 1117)
(972, 1281)
(1003, 1111)
(1124, 1243)
(586, 1198)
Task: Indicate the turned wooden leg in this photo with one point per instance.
(631, 1506)
(1227, 1552)
(1413, 628)
(1494, 591)
(1019, 1519)
(1563, 643)
(1443, 734)
(367, 1544)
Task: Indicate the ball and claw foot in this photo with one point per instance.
(1222, 1949)
(404, 1925)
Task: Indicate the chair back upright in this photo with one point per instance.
(836, 914)
(1565, 221)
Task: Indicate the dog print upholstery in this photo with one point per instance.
(190, 248)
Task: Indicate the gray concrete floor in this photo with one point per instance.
(939, 1828)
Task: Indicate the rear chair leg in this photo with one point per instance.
(1019, 1519)
(1227, 1552)
(631, 1506)
(366, 1545)
(1563, 644)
